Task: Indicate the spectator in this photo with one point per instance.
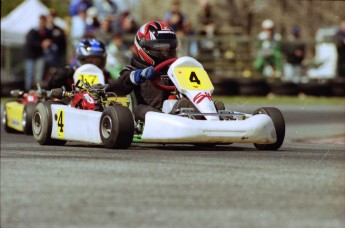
(106, 9)
(294, 51)
(126, 23)
(104, 34)
(340, 42)
(206, 19)
(92, 23)
(77, 5)
(118, 55)
(191, 47)
(268, 59)
(206, 26)
(37, 41)
(57, 51)
(175, 18)
(78, 27)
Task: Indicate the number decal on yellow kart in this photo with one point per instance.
(61, 123)
(193, 78)
(91, 79)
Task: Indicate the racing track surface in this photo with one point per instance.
(301, 185)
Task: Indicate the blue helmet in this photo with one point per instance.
(91, 48)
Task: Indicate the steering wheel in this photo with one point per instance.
(158, 68)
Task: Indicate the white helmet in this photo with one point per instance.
(267, 24)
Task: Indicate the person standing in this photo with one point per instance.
(340, 42)
(57, 51)
(37, 41)
(175, 18)
(118, 55)
(206, 19)
(294, 51)
(268, 59)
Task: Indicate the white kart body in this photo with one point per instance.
(165, 128)
(78, 125)
(90, 73)
(190, 78)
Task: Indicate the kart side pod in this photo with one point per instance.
(54, 124)
(166, 128)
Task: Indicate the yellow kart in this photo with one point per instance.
(17, 113)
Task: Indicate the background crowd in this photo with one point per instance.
(50, 46)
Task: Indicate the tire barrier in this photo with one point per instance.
(263, 87)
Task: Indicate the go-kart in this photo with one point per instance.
(17, 113)
(204, 124)
(87, 114)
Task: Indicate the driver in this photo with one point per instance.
(154, 43)
(90, 51)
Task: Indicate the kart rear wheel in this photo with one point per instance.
(29, 109)
(42, 125)
(5, 121)
(117, 127)
(279, 125)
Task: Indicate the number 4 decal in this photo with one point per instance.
(61, 123)
(194, 78)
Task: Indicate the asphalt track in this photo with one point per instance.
(148, 185)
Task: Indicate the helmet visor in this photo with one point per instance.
(161, 49)
(160, 44)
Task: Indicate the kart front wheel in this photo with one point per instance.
(117, 127)
(279, 125)
(29, 109)
(42, 125)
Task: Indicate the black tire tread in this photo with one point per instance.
(279, 125)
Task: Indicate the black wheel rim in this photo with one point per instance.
(37, 123)
(4, 118)
(24, 119)
(106, 126)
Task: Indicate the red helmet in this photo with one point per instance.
(155, 42)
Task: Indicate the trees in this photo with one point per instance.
(61, 6)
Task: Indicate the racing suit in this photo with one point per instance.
(148, 97)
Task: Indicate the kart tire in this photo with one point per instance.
(29, 109)
(316, 88)
(116, 127)
(338, 86)
(42, 124)
(281, 88)
(253, 87)
(226, 86)
(7, 128)
(279, 125)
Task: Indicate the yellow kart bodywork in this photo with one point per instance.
(14, 115)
